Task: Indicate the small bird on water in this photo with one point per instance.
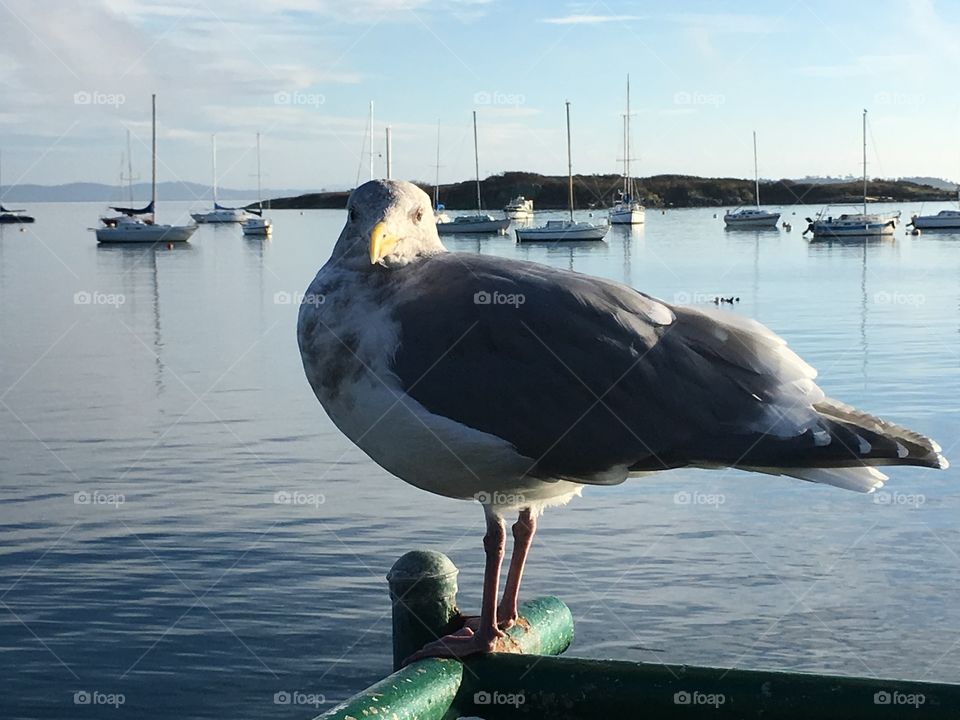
(515, 384)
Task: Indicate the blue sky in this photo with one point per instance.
(75, 76)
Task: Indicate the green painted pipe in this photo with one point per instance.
(425, 690)
(512, 686)
(423, 592)
(421, 691)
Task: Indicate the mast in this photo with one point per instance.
(436, 184)
(569, 167)
(129, 170)
(153, 155)
(756, 172)
(370, 135)
(627, 184)
(259, 189)
(213, 139)
(389, 155)
(864, 161)
(476, 160)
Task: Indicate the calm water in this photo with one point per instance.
(144, 435)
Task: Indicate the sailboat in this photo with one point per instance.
(219, 214)
(755, 217)
(129, 228)
(627, 210)
(854, 224)
(564, 229)
(8, 216)
(480, 222)
(258, 224)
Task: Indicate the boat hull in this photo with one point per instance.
(480, 227)
(145, 234)
(220, 217)
(932, 222)
(257, 226)
(596, 232)
(822, 230)
(733, 222)
(14, 219)
(627, 217)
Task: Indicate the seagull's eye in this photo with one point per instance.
(419, 215)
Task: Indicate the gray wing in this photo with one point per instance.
(584, 375)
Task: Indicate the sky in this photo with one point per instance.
(76, 74)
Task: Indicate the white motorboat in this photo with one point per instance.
(257, 224)
(520, 208)
(626, 209)
(755, 217)
(219, 214)
(478, 223)
(943, 219)
(564, 230)
(862, 224)
(129, 227)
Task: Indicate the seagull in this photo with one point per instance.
(516, 384)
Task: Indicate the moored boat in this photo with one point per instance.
(480, 222)
(128, 227)
(564, 230)
(626, 209)
(520, 208)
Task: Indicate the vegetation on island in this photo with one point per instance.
(549, 192)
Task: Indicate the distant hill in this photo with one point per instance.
(99, 192)
(593, 191)
(939, 183)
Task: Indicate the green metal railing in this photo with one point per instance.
(535, 684)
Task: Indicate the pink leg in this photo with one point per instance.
(484, 639)
(523, 531)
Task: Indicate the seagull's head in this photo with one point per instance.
(390, 223)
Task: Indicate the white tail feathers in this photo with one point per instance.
(862, 478)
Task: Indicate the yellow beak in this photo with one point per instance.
(381, 242)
